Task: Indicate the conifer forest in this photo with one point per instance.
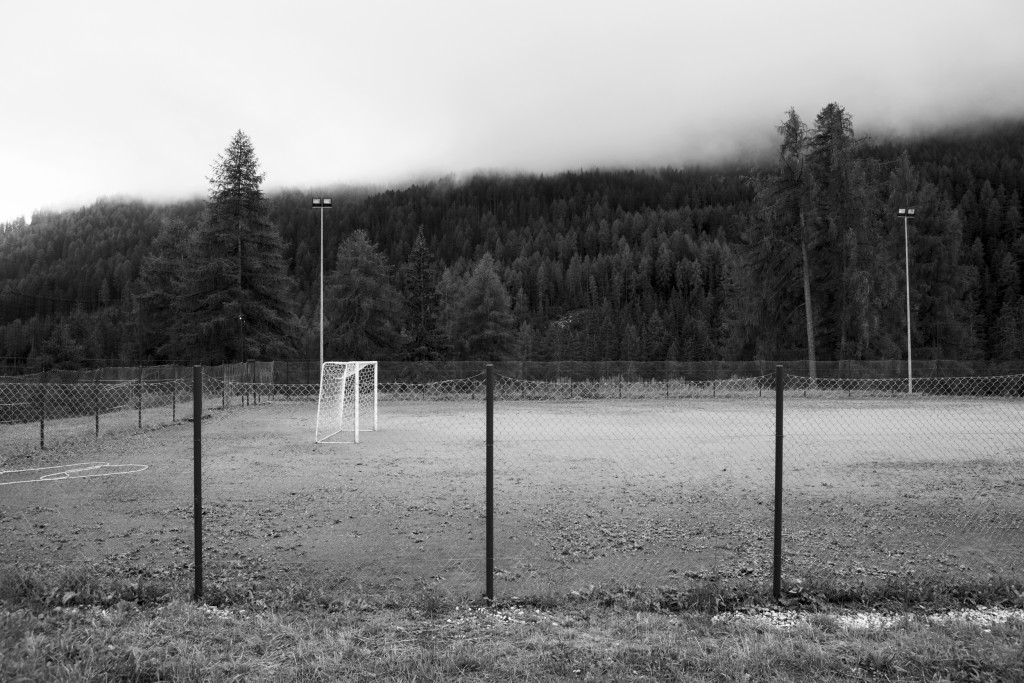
(797, 254)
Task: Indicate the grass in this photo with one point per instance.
(269, 614)
(84, 624)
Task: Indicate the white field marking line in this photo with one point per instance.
(79, 470)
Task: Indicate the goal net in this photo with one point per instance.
(348, 401)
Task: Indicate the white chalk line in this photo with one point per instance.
(81, 470)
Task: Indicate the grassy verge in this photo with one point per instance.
(84, 625)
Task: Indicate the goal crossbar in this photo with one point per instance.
(347, 402)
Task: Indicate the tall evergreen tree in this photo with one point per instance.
(484, 324)
(784, 237)
(423, 303)
(363, 307)
(238, 304)
(848, 216)
(163, 278)
(942, 286)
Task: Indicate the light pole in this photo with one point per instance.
(907, 214)
(321, 203)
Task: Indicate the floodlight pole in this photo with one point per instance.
(321, 203)
(907, 214)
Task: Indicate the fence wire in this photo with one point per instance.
(644, 483)
(102, 492)
(882, 482)
(613, 481)
(402, 508)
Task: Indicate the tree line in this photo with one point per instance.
(798, 257)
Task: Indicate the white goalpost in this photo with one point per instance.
(348, 401)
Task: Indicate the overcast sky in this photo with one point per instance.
(136, 98)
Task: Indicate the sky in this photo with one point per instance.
(137, 99)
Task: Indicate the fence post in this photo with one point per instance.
(223, 386)
(490, 484)
(780, 380)
(96, 399)
(140, 396)
(255, 383)
(174, 395)
(197, 476)
(42, 411)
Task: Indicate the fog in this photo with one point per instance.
(121, 98)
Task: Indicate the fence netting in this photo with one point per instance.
(399, 510)
(882, 482)
(85, 478)
(615, 480)
(608, 484)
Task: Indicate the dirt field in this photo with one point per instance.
(652, 492)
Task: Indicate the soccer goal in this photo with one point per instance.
(348, 401)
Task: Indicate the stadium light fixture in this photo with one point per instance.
(906, 214)
(321, 203)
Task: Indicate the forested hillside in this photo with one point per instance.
(704, 263)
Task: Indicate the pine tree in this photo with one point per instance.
(162, 280)
(485, 327)
(848, 212)
(785, 201)
(423, 303)
(62, 351)
(238, 302)
(363, 307)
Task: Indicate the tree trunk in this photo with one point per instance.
(811, 360)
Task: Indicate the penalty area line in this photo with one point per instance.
(81, 470)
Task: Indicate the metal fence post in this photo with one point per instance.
(251, 370)
(42, 411)
(140, 397)
(780, 379)
(490, 484)
(96, 400)
(197, 476)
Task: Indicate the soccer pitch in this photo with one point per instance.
(655, 492)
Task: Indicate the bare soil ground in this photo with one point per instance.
(652, 492)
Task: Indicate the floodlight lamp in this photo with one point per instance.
(316, 202)
(327, 203)
(902, 212)
(910, 212)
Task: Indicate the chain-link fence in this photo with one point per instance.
(618, 480)
(96, 468)
(881, 482)
(653, 483)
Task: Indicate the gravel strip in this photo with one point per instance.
(980, 616)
